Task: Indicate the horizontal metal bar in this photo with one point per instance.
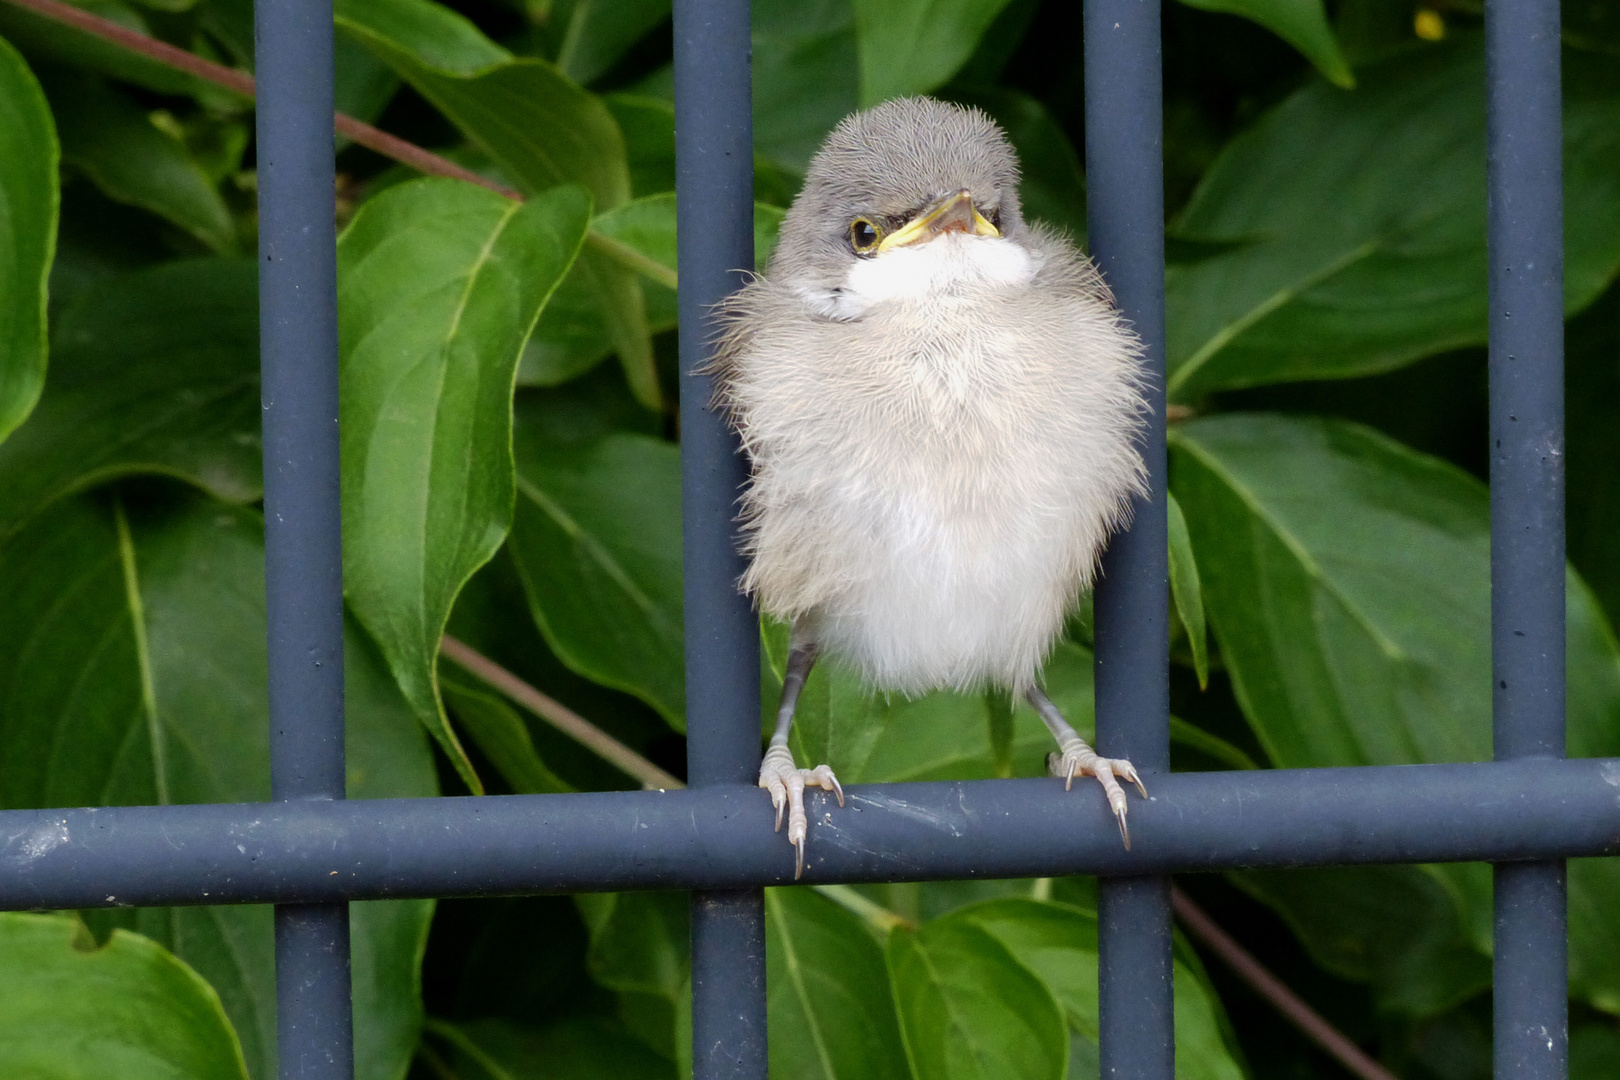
(721, 837)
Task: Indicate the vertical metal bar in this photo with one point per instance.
(714, 184)
(303, 560)
(1525, 185)
(1125, 181)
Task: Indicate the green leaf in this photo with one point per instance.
(439, 284)
(597, 540)
(641, 949)
(969, 1010)
(1397, 270)
(582, 1048)
(594, 35)
(1188, 594)
(113, 141)
(71, 1010)
(1349, 583)
(648, 125)
(1395, 927)
(912, 46)
(572, 337)
(1058, 943)
(806, 77)
(48, 38)
(1591, 389)
(132, 671)
(1301, 23)
(29, 200)
(156, 372)
(431, 35)
(1594, 1052)
(831, 1014)
(538, 126)
(503, 738)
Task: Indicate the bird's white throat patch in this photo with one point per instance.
(955, 264)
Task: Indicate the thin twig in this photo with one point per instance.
(1311, 1023)
(560, 716)
(372, 138)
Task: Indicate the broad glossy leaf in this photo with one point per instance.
(1594, 1052)
(431, 34)
(1301, 23)
(154, 372)
(1592, 438)
(572, 337)
(439, 283)
(72, 1010)
(1059, 944)
(1349, 583)
(913, 46)
(132, 671)
(641, 949)
(58, 41)
(597, 540)
(969, 1010)
(538, 126)
(582, 1048)
(648, 125)
(831, 1013)
(1395, 927)
(503, 737)
(28, 204)
(1359, 224)
(110, 138)
(594, 34)
(806, 76)
(1187, 591)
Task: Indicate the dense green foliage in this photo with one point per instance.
(511, 475)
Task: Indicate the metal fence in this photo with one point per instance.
(309, 852)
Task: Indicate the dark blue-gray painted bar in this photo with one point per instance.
(1125, 220)
(1525, 192)
(714, 183)
(303, 555)
(721, 837)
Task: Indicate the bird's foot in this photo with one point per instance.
(786, 782)
(1074, 758)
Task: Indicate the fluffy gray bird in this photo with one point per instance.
(939, 402)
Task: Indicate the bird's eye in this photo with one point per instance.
(995, 218)
(863, 235)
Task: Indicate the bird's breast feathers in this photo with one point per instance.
(933, 478)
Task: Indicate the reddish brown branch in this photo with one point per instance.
(242, 83)
(1310, 1022)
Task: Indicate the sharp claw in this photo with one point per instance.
(798, 862)
(1069, 780)
(779, 803)
(1124, 830)
(839, 789)
(1139, 786)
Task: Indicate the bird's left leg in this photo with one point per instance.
(1075, 758)
(778, 773)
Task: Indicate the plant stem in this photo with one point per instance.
(560, 716)
(1312, 1024)
(390, 146)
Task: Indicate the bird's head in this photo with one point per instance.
(912, 199)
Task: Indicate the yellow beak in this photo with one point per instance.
(954, 213)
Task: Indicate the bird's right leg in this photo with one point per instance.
(778, 773)
(1075, 758)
